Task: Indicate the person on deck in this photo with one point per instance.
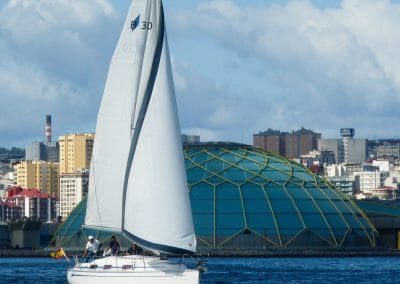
(91, 248)
(114, 246)
(135, 250)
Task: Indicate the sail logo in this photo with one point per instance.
(145, 25)
(135, 23)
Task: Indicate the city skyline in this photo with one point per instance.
(238, 67)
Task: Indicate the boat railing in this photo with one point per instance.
(139, 261)
(81, 262)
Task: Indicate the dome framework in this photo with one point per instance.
(237, 190)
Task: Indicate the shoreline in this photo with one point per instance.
(234, 253)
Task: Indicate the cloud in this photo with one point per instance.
(54, 57)
(320, 68)
(239, 67)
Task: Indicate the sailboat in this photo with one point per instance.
(137, 183)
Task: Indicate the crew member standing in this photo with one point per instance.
(92, 247)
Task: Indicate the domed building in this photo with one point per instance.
(242, 196)
(246, 198)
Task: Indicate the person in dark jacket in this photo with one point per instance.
(135, 250)
(114, 246)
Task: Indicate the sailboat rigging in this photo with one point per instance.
(137, 183)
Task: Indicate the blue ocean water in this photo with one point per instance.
(236, 270)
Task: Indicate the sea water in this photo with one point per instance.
(236, 270)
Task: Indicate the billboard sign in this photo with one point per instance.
(347, 132)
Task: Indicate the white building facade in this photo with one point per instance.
(73, 187)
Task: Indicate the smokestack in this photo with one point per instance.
(48, 128)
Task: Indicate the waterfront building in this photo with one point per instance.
(38, 174)
(34, 204)
(25, 234)
(73, 187)
(75, 151)
(4, 235)
(244, 198)
(190, 138)
(9, 211)
(362, 180)
(291, 145)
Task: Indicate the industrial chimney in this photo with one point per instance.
(48, 129)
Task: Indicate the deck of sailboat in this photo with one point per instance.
(140, 269)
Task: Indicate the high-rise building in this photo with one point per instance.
(333, 145)
(346, 150)
(39, 151)
(347, 136)
(35, 151)
(53, 152)
(73, 187)
(291, 145)
(75, 151)
(41, 175)
(271, 140)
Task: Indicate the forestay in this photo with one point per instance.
(138, 182)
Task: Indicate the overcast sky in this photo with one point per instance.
(239, 66)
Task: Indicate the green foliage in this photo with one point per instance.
(14, 152)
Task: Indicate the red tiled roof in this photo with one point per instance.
(18, 191)
(33, 193)
(14, 191)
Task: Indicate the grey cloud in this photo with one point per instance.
(291, 65)
(333, 67)
(54, 58)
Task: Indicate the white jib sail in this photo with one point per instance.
(138, 179)
(114, 126)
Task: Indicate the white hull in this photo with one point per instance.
(131, 269)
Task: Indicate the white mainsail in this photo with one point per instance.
(138, 182)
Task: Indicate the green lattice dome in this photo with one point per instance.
(244, 197)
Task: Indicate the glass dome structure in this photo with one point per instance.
(245, 197)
